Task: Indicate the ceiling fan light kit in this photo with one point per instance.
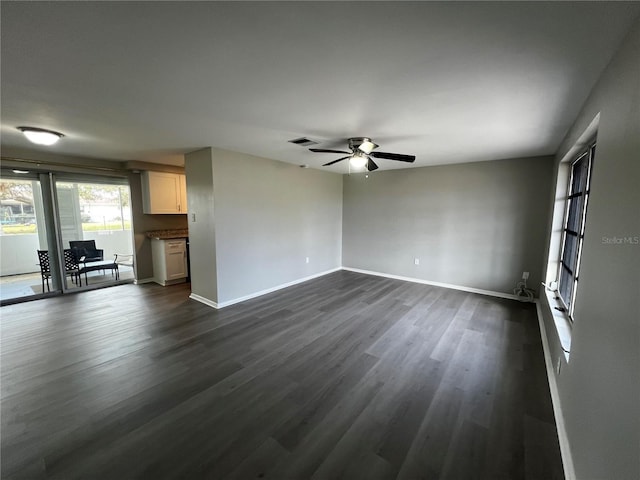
(361, 153)
(358, 160)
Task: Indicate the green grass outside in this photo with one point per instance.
(86, 227)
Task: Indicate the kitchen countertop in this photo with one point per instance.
(168, 234)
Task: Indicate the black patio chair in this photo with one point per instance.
(71, 267)
(45, 268)
(86, 251)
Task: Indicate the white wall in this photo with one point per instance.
(599, 388)
(268, 216)
(477, 225)
(18, 252)
(111, 241)
(202, 224)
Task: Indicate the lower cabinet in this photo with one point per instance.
(169, 261)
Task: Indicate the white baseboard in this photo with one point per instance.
(204, 300)
(563, 439)
(436, 284)
(261, 292)
(357, 270)
(143, 280)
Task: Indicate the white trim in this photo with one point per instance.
(143, 280)
(561, 321)
(278, 287)
(204, 300)
(357, 270)
(563, 439)
(587, 137)
(437, 284)
(261, 292)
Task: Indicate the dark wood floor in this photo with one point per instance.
(346, 376)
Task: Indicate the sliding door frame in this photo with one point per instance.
(52, 223)
(51, 220)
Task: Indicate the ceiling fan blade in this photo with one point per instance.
(336, 161)
(322, 150)
(394, 156)
(371, 165)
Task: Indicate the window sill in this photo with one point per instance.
(561, 320)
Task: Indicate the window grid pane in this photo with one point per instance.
(575, 215)
(570, 249)
(566, 284)
(578, 185)
(574, 219)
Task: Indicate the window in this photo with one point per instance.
(573, 228)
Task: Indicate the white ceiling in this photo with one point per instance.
(447, 82)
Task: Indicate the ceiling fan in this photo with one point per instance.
(361, 153)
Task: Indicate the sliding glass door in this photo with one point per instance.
(61, 233)
(95, 226)
(24, 265)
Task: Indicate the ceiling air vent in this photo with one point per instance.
(303, 141)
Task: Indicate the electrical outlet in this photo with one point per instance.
(193, 217)
(306, 259)
(416, 261)
(525, 275)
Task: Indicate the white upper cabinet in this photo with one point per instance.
(164, 192)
